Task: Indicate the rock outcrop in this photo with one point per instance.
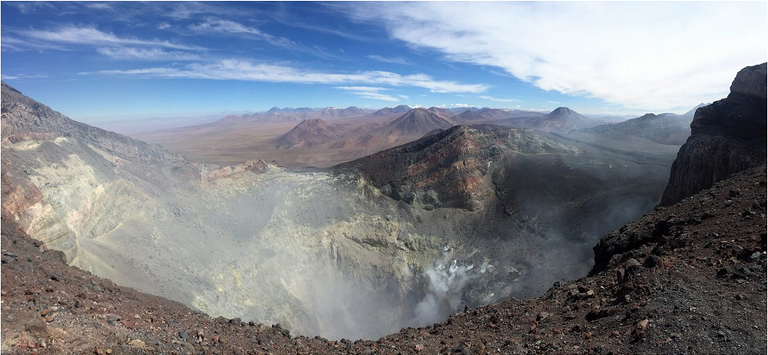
(727, 136)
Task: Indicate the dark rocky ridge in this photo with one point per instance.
(470, 167)
(726, 137)
(24, 118)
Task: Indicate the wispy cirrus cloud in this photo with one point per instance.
(491, 98)
(95, 37)
(368, 92)
(655, 55)
(26, 7)
(393, 60)
(23, 76)
(98, 5)
(17, 44)
(149, 54)
(232, 69)
(225, 26)
(219, 26)
(232, 27)
(183, 10)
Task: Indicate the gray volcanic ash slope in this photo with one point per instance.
(465, 216)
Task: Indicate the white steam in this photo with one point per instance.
(444, 292)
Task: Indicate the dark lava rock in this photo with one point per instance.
(727, 136)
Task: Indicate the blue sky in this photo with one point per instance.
(97, 61)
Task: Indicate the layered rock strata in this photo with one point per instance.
(727, 136)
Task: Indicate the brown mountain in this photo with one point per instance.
(442, 112)
(416, 122)
(666, 128)
(392, 110)
(560, 120)
(310, 133)
(727, 136)
(485, 114)
(451, 168)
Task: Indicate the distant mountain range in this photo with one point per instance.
(277, 114)
(392, 110)
(666, 128)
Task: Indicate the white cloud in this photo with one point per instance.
(654, 55)
(93, 36)
(23, 76)
(231, 27)
(404, 97)
(232, 69)
(182, 10)
(375, 96)
(459, 105)
(98, 6)
(368, 92)
(361, 88)
(26, 7)
(490, 98)
(163, 25)
(17, 44)
(393, 60)
(154, 54)
(225, 26)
